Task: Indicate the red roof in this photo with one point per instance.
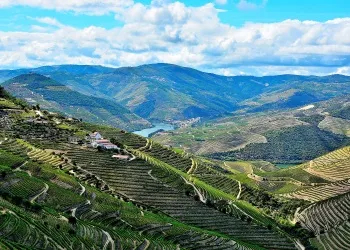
(103, 141)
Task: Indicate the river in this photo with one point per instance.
(157, 126)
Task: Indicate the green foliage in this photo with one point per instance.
(296, 173)
(289, 145)
(12, 102)
(312, 119)
(10, 160)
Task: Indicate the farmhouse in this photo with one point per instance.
(105, 144)
(93, 137)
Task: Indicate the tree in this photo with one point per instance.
(3, 174)
(249, 219)
(17, 200)
(72, 220)
(3, 92)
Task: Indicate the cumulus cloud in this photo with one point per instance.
(248, 5)
(172, 32)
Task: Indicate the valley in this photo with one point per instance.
(300, 134)
(159, 198)
(174, 125)
(226, 118)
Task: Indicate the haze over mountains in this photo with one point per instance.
(165, 92)
(241, 117)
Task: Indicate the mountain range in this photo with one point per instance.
(241, 117)
(166, 92)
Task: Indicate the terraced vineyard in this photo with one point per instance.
(322, 192)
(58, 193)
(334, 166)
(336, 238)
(97, 214)
(329, 222)
(326, 214)
(124, 178)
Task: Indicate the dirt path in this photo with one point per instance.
(109, 240)
(19, 169)
(74, 210)
(82, 190)
(240, 190)
(191, 170)
(201, 197)
(299, 245)
(41, 193)
(155, 178)
(133, 157)
(22, 165)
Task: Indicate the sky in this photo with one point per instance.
(228, 37)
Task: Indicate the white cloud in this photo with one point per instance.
(248, 5)
(190, 36)
(49, 21)
(93, 7)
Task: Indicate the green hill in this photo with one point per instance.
(56, 194)
(54, 96)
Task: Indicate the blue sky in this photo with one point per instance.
(223, 36)
(16, 17)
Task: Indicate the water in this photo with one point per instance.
(157, 126)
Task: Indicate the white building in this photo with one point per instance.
(93, 137)
(105, 144)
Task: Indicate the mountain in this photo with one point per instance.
(54, 96)
(163, 92)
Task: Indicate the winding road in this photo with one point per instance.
(41, 193)
(201, 197)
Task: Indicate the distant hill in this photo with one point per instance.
(169, 92)
(283, 136)
(54, 96)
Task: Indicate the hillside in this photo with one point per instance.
(54, 96)
(158, 199)
(289, 136)
(163, 92)
(75, 195)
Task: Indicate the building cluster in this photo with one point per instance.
(96, 140)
